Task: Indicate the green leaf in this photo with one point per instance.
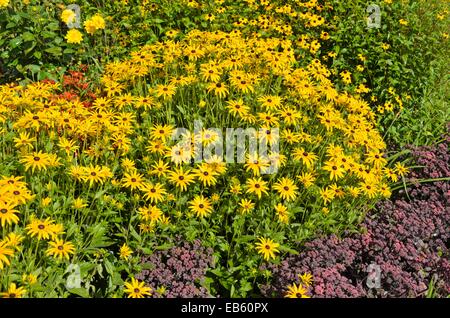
(56, 50)
(82, 292)
(15, 42)
(288, 249)
(27, 36)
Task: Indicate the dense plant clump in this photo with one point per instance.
(178, 271)
(408, 239)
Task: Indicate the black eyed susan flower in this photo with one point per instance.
(160, 168)
(68, 146)
(246, 206)
(42, 229)
(206, 175)
(201, 206)
(165, 91)
(137, 289)
(60, 249)
(133, 180)
(5, 252)
(237, 107)
(180, 153)
(210, 72)
(307, 158)
(219, 89)
(297, 291)
(8, 215)
(14, 240)
(369, 188)
(151, 214)
(400, 169)
(267, 248)
(335, 169)
(161, 132)
(14, 292)
(24, 140)
(157, 147)
(154, 192)
(37, 160)
(256, 164)
(181, 178)
(257, 186)
(286, 188)
(282, 212)
(307, 179)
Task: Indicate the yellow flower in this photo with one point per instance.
(283, 213)
(43, 229)
(45, 202)
(200, 206)
(13, 292)
(37, 160)
(296, 291)
(306, 278)
(8, 214)
(286, 189)
(79, 204)
(4, 3)
(257, 186)
(93, 24)
(267, 248)
(125, 252)
(60, 249)
(246, 205)
(4, 252)
(68, 16)
(30, 279)
(74, 36)
(385, 46)
(400, 169)
(137, 289)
